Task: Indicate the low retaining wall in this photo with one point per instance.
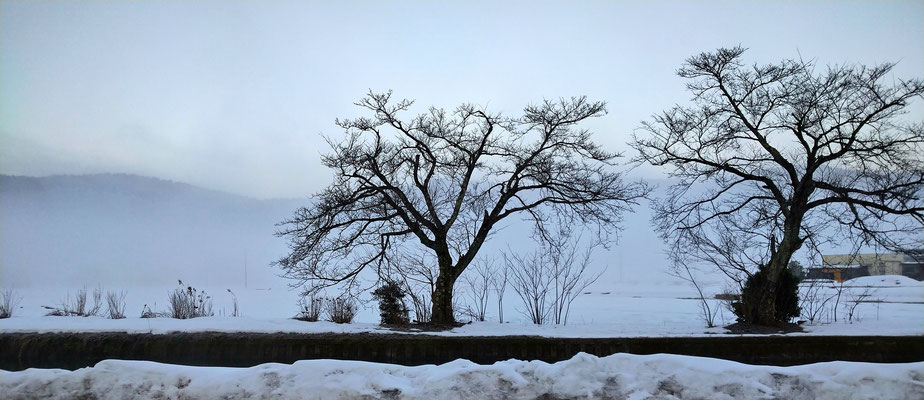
(76, 350)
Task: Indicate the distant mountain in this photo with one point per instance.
(116, 229)
(127, 229)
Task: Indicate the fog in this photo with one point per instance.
(125, 230)
(131, 230)
(236, 97)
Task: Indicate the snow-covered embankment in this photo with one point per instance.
(584, 376)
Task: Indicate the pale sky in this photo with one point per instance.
(235, 95)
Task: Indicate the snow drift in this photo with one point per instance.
(583, 376)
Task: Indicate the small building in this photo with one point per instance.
(841, 267)
(837, 273)
(913, 265)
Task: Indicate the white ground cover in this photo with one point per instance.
(584, 376)
(627, 309)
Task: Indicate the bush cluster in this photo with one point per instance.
(78, 306)
(787, 296)
(340, 310)
(184, 302)
(189, 302)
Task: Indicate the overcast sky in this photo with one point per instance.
(235, 95)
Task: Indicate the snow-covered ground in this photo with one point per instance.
(620, 376)
(895, 306)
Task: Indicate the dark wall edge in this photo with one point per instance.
(19, 351)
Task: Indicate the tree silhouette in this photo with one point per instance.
(769, 158)
(443, 180)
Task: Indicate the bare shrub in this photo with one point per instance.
(416, 273)
(309, 308)
(813, 300)
(570, 275)
(478, 284)
(423, 306)
(708, 308)
(188, 302)
(97, 306)
(78, 306)
(116, 303)
(8, 302)
(531, 284)
(838, 293)
(236, 311)
(854, 298)
(549, 279)
(147, 312)
(341, 309)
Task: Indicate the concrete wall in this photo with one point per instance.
(71, 351)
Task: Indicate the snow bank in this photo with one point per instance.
(884, 281)
(584, 376)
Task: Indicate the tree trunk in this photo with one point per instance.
(442, 299)
(442, 292)
(762, 310)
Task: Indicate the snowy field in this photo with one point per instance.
(620, 376)
(893, 305)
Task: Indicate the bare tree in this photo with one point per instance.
(500, 286)
(855, 297)
(549, 279)
(568, 257)
(773, 157)
(709, 308)
(478, 283)
(813, 300)
(530, 281)
(443, 181)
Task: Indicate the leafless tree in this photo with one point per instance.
(443, 181)
(549, 279)
(568, 257)
(530, 281)
(709, 308)
(854, 298)
(769, 158)
(478, 282)
(813, 300)
(500, 286)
